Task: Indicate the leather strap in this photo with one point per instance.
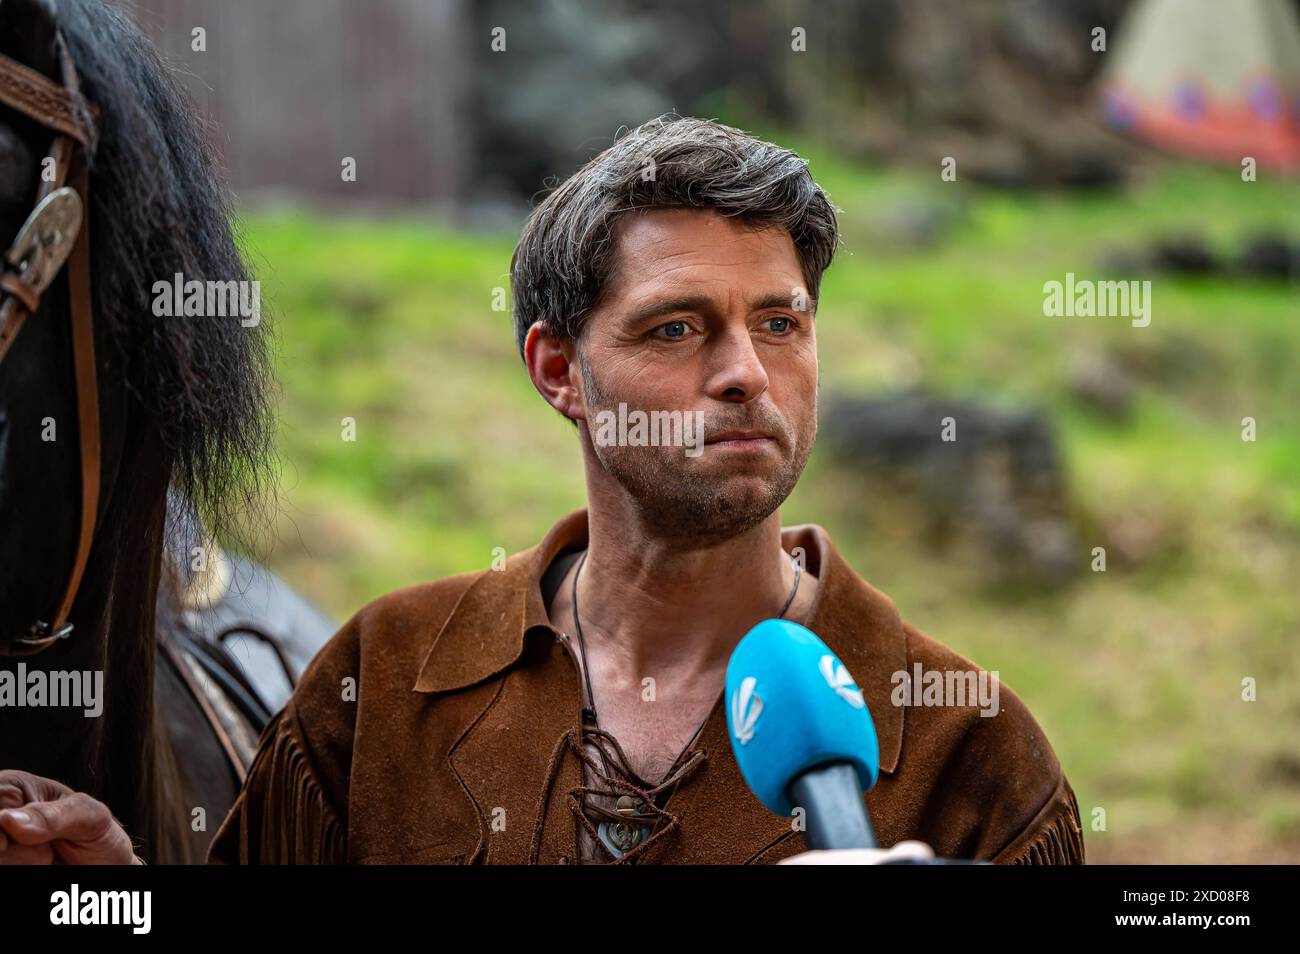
(25, 294)
(61, 108)
(23, 302)
(228, 746)
(83, 358)
(65, 111)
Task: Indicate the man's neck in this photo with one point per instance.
(664, 605)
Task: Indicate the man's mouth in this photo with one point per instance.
(739, 440)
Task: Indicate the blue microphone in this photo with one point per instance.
(801, 733)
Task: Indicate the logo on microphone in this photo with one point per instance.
(746, 707)
(838, 678)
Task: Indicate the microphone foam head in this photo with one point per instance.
(791, 705)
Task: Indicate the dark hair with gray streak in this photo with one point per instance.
(566, 253)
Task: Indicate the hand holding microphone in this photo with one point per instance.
(903, 853)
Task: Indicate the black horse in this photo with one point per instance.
(183, 411)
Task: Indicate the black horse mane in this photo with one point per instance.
(159, 207)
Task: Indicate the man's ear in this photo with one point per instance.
(553, 365)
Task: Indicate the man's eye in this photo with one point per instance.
(674, 329)
(780, 324)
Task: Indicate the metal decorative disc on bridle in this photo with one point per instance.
(45, 241)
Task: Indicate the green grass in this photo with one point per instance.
(1135, 674)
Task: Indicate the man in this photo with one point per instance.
(567, 707)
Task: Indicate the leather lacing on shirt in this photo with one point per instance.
(581, 798)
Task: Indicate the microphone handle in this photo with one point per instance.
(935, 861)
(834, 812)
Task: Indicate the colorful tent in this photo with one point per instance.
(1218, 79)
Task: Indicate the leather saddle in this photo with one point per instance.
(237, 635)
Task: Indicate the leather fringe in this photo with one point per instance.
(284, 808)
(1060, 840)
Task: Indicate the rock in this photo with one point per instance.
(1270, 256)
(1184, 255)
(999, 484)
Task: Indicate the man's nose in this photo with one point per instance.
(736, 373)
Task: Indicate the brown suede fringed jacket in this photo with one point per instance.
(436, 726)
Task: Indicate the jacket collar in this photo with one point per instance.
(488, 629)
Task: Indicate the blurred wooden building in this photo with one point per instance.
(293, 88)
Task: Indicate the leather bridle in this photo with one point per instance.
(57, 232)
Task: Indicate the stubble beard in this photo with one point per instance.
(679, 503)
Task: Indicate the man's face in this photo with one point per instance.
(704, 314)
